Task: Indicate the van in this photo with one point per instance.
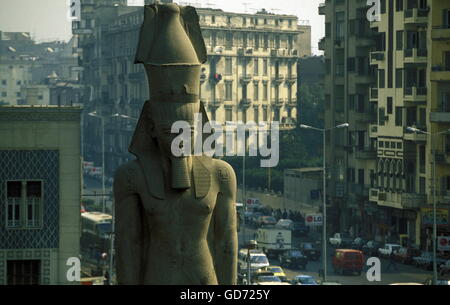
(348, 260)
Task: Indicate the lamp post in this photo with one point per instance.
(432, 135)
(324, 230)
(94, 114)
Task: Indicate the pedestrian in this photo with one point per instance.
(392, 262)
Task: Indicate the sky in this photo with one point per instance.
(47, 19)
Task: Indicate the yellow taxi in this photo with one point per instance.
(277, 271)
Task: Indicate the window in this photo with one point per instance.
(213, 19)
(399, 144)
(399, 45)
(4, 94)
(228, 115)
(4, 82)
(383, 6)
(380, 144)
(381, 78)
(264, 114)
(399, 5)
(24, 198)
(228, 90)
(265, 92)
(244, 115)
(213, 114)
(228, 66)
(256, 115)
(446, 20)
(398, 116)
(361, 176)
(255, 91)
(381, 116)
(19, 83)
(351, 64)
(399, 78)
(23, 272)
(389, 105)
(265, 67)
(255, 67)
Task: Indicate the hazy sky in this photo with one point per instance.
(47, 19)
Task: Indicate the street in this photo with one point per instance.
(405, 273)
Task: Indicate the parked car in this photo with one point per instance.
(303, 279)
(340, 240)
(310, 251)
(358, 243)
(254, 219)
(444, 268)
(405, 255)
(423, 260)
(293, 259)
(300, 229)
(348, 260)
(388, 249)
(371, 248)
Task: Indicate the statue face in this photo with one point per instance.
(164, 136)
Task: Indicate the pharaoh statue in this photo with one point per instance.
(175, 216)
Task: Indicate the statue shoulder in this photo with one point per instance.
(126, 177)
(226, 176)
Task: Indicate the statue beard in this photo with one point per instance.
(180, 173)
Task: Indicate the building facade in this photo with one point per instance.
(303, 186)
(40, 193)
(409, 60)
(250, 75)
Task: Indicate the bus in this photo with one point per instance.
(95, 242)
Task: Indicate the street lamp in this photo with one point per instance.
(252, 244)
(94, 114)
(324, 230)
(432, 135)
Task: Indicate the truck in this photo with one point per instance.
(341, 240)
(274, 241)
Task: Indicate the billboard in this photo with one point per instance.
(314, 219)
(441, 217)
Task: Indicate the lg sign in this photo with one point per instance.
(443, 243)
(313, 220)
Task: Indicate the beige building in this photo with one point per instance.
(40, 191)
(411, 59)
(303, 186)
(251, 73)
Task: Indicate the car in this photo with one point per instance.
(258, 260)
(285, 224)
(405, 255)
(300, 229)
(388, 249)
(266, 221)
(371, 248)
(277, 271)
(264, 277)
(444, 268)
(310, 251)
(254, 219)
(303, 279)
(358, 243)
(348, 260)
(293, 258)
(423, 260)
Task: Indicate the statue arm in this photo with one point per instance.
(225, 230)
(129, 239)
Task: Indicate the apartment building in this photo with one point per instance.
(351, 155)
(250, 75)
(410, 58)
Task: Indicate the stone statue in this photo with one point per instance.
(175, 216)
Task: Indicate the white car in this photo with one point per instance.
(388, 249)
(285, 224)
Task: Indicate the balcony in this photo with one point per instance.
(376, 57)
(277, 102)
(440, 32)
(440, 73)
(322, 44)
(415, 56)
(322, 8)
(365, 153)
(291, 103)
(413, 200)
(278, 79)
(216, 103)
(245, 103)
(440, 115)
(416, 16)
(245, 79)
(415, 137)
(415, 94)
(291, 79)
